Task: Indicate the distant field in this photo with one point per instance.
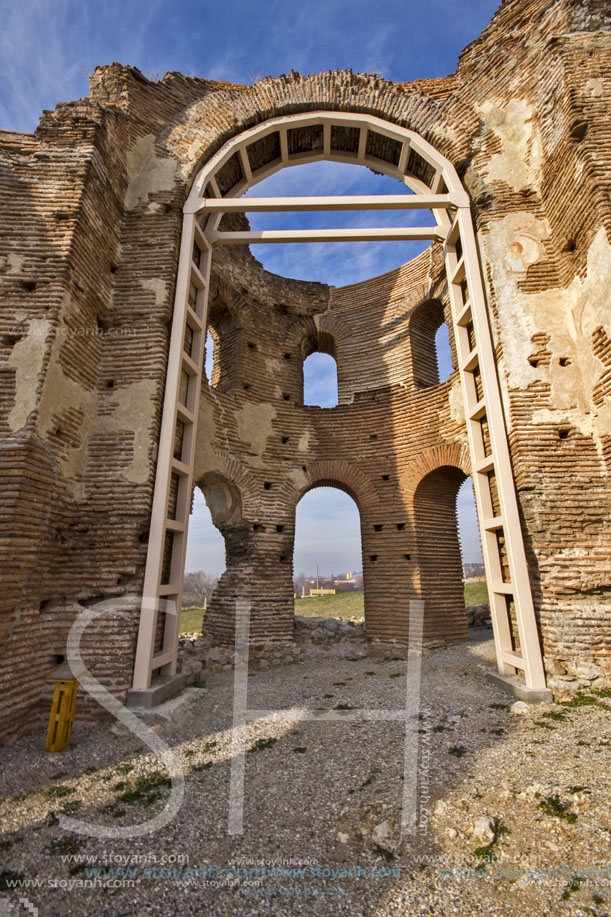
(191, 620)
(344, 605)
(476, 594)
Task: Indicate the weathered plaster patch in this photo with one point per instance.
(255, 426)
(27, 358)
(205, 457)
(156, 286)
(13, 263)
(304, 441)
(457, 407)
(146, 172)
(299, 479)
(569, 316)
(519, 163)
(133, 412)
(594, 88)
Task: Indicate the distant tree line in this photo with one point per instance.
(198, 588)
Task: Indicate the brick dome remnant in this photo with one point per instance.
(92, 207)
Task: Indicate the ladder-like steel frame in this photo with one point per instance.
(496, 499)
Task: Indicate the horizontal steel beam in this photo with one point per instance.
(387, 234)
(352, 202)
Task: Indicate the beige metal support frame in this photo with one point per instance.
(437, 189)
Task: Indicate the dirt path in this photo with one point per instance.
(512, 812)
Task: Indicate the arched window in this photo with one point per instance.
(221, 348)
(328, 555)
(431, 353)
(320, 386)
(443, 352)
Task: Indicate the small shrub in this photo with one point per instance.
(10, 880)
(554, 805)
(142, 788)
(63, 845)
(56, 792)
(260, 744)
(72, 806)
(457, 750)
(388, 855)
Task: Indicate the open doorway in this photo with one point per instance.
(204, 565)
(327, 564)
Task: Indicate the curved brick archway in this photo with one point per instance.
(215, 199)
(93, 226)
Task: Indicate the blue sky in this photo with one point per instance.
(48, 48)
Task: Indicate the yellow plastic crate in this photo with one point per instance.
(62, 711)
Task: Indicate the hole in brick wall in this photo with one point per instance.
(564, 432)
(378, 528)
(569, 246)
(386, 477)
(59, 658)
(267, 485)
(304, 469)
(209, 357)
(285, 440)
(222, 339)
(283, 558)
(578, 130)
(373, 557)
(407, 556)
(8, 340)
(533, 362)
(113, 268)
(287, 356)
(257, 527)
(143, 537)
(373, 436)
(252, 345)
(246, 386)
(28, 285)
(286, 397)
(320, 379)
(279, 528)
(564, 361)
(110, 383)
(443, 352)
(400, 526)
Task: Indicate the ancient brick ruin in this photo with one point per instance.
(92, 218)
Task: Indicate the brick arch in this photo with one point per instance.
(439, 552)
(455, 455)
(240, 477)
(424, 320)
(230, 112)
(334, 473)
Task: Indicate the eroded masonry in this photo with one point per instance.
(113, 269)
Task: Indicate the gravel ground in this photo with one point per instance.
(513, 809)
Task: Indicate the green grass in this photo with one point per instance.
(476, 594)
(191, 620)
(343, 605)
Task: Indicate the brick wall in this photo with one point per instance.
(91, 214)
